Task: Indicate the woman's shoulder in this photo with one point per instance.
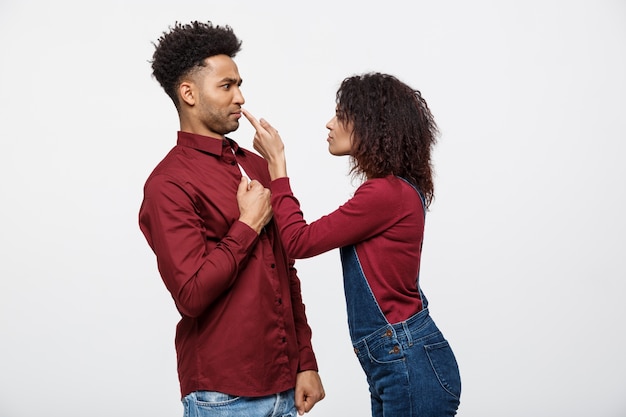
(390, 184)
(386, 190)
(390, 189)
(387, 197)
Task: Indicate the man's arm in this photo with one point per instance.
(195, 271)
(309, 389)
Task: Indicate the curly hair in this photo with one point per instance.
(393, 129)
(185, 47)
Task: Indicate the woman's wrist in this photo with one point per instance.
(277, 170)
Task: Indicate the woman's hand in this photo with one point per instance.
(268, 143)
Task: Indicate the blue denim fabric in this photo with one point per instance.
(217, 404)
(410, 367)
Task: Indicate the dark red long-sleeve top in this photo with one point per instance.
(384, 220)
(243, 329)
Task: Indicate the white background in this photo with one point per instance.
(524, 261)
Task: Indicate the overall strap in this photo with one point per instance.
(364, 313)
(423, 199)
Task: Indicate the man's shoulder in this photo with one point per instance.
(175, 165)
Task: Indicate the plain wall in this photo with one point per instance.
(523, 261)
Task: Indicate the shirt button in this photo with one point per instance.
(395, 349)
(233, 162)
(284, 339)
(273, 266)
(388, 333)
(280, 301)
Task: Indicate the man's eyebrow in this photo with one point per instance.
(232, 80)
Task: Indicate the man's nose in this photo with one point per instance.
(238, 98)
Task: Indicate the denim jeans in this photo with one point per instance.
(411, 370)
(217, 404)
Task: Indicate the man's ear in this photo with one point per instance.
(187, 93)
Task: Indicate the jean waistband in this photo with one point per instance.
(406, 330)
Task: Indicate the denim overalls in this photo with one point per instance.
(410, 367)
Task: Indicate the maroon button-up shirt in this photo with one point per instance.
(243, 329)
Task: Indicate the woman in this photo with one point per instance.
(387, 129)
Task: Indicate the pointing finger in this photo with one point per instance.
(253, 121)
(266, 125)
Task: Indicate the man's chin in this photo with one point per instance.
(232, 127)
(229, 129)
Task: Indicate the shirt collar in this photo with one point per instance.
(205, 143)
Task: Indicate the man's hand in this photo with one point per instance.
(254, 203)
(309, 390)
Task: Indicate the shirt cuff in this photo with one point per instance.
(281, 185)
(307, 360)
(243, 234)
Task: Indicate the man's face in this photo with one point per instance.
(218, 97)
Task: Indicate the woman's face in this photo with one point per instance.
(339, 136)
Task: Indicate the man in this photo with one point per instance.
(243, 343)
